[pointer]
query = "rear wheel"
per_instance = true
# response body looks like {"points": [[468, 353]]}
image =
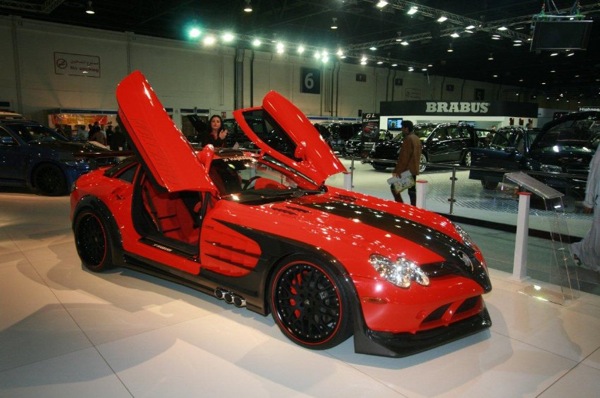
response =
{"points": [[379, 166], [48, 179], [310, 305], [92, 240], [422, 163]]}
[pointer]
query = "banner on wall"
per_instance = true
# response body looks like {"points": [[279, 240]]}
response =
{"points": [[76, 65]]}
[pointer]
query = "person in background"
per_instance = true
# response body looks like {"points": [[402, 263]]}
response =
{"points": [[82, 133], [587, 252], [409, 159], [97, 135], [217, 134]]}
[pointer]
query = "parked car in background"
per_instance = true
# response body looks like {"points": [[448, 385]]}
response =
{"points": [[8, 115], [508, 150], [41, 159], [265, 232], [442, 143], [558, 155], [384, 154], [361, 143], [337, 134]]}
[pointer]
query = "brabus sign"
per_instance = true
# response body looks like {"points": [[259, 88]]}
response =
{"points": [[457, 107]]}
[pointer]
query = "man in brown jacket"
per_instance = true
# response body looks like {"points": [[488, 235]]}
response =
{"points": [[409, 159]]}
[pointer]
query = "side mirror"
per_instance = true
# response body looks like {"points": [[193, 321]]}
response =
{"points": [[300, 152]]}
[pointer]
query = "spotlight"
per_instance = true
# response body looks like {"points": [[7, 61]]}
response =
{"points": [[450, 49], [248, 6], [89, 9], [412, 10], [334, 23], [381, 4], [491, 57]]}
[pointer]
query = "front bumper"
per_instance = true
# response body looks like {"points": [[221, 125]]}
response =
{"points": [[397, 345]]}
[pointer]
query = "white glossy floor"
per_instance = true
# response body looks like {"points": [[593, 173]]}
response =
{"points": [[65, 332]]}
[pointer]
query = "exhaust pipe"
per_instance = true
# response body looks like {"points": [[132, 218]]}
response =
{"points": [[230, 298]]}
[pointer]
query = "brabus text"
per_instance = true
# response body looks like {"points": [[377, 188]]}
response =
{"points": [[457, 107]]}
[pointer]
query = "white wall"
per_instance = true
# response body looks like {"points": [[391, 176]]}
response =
{"points": [[186, 75]]}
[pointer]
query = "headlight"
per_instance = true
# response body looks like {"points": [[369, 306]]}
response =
{"points": [[550, 168], [400, 273]]}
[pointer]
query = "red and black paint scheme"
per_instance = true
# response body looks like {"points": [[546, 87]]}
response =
{"points": [[264, 231]]}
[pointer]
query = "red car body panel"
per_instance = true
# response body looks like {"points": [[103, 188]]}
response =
{"points": [[238, 243], [164, 148]]}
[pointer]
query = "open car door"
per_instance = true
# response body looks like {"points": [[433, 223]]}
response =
{"points": [[164, 149], [309, 153]]}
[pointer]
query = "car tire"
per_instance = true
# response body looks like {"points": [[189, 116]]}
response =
{"points": [[49, 180], [489, 185], [467, 159], [92, 240], [422, 163], [310, 304], [379, 166]]}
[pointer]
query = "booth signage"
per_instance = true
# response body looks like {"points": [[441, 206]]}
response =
{"points": [[459, 108]]}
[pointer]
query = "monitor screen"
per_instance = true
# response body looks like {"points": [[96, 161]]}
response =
{"points": [[561, 35], [394, 124]]}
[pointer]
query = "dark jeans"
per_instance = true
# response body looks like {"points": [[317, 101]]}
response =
{"points": [[412, 194]]}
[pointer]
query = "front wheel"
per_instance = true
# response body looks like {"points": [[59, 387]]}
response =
{"points": [[310, 304], [92, 240], [467, 159]]}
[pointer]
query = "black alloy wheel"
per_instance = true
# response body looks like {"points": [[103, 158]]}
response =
{"points": [[49, 180], [310, 305], [92, 241]]}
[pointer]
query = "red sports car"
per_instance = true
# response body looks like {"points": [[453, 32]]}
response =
{"points": [[264, 231]]}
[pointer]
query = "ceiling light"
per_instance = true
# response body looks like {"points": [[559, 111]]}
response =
{"points": [[256, 42], [450, 49], [373, 48], [334, 23], [470, 27], [412, 10], [381, 4], [491, 57], [194, 33], [248, 6], [228, 37], [404, 43], [379, 62], [300, 49], [340, 53], [89, 9], [280, 47], [455, 35], [442, 18], [209, 40], [503, 28]]}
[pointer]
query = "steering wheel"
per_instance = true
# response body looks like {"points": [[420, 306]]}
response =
{"points": [[250, 182]]}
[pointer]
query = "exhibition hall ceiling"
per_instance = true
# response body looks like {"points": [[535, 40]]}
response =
{"points": [[387, 35]]}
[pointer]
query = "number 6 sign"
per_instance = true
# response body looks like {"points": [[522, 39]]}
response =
{"points": [[310, 81]]}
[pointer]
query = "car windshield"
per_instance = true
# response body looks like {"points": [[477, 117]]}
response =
{"points": [[29, 133], [565, 140], [254, 180]]}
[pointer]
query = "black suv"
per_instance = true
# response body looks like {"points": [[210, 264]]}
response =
{"points": [[559, 155]]}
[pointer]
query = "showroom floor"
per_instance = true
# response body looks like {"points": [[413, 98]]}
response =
{"points": [[66, 332]]}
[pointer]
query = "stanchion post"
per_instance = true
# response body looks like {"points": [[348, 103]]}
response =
{"points": [[348, 181], [421, 193], [520, 259]]}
